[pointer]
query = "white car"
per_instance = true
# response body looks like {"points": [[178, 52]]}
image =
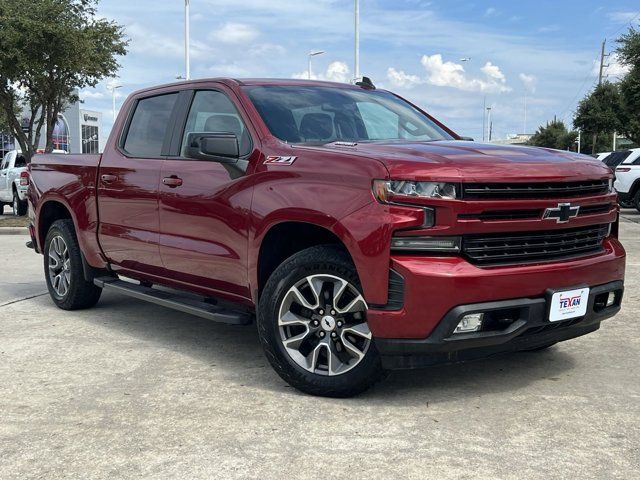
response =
{"points": [[14, 180], [627, 182]]}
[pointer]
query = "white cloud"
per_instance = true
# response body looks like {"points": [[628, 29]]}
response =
{"points": [[400, 79], [529, 81], [149, 43], [267, 49], [336, 72], [623, 17], [450, 74], [228, 70], [90, 94], [235, 33], [493, 71], [490, 12], [615, 68], [549, 29]]}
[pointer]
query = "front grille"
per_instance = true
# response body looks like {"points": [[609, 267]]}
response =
{"points": [[530, 214], [532, 247], [500, 191]]}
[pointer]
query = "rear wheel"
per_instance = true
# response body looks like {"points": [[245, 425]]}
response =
{"points": [[63, 269], [19, 206], [2, 208], [636, 200], [313, 327]]}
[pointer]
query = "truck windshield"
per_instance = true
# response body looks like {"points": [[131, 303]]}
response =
{"points": [[319, 115]]}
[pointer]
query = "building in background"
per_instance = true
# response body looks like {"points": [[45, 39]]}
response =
{"points": [[517, 139], [78, 130]]}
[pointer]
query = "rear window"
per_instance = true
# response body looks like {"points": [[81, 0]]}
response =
{"points": [[616, 158], [20, 162], [149, 126]]}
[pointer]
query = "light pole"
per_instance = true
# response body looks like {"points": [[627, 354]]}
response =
{"points": [[312, 54], [356, 68], [187, 51], [113, 88], [489, 124], [525, 112]]}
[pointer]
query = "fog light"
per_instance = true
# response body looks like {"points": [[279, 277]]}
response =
{"points": [[611, 299], [470, 323]]}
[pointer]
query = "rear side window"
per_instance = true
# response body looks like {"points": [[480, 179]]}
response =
{"points": [[616, 158], [149, 125]]}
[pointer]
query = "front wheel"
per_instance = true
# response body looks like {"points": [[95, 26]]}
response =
{"points": [[312, 322], [63, 269], [19, 206]]}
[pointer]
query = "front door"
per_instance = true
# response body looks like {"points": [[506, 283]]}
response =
{"points": [[128, 187], [204, 214]]}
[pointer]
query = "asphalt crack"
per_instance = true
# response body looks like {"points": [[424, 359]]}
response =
{"points": [[22, 299]]}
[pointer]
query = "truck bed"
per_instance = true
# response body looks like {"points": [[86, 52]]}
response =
{"points": [[69, 181]]}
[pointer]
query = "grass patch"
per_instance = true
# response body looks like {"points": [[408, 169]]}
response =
{"points": [[11, 221]]}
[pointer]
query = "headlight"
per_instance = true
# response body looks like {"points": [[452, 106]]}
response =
{"points": [[386, 190]]}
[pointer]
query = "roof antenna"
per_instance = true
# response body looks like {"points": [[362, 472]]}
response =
{"points": [[366, 83]]}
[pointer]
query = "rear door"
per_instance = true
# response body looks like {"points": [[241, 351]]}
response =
{"points": [[204, 205], [4, 178], [128, 181]]}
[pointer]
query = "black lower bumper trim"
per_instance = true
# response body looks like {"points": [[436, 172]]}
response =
{"points": [[528, 328]]}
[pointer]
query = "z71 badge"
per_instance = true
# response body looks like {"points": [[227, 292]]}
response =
{"points": [[280, 160]]}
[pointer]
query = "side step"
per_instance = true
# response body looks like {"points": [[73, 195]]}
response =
{"points": [[176, 301]]}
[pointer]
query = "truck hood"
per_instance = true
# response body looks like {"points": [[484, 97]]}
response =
{"points": [[458, 161]]}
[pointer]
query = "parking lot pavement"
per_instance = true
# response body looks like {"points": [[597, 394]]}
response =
{"points": [[129, 390]]}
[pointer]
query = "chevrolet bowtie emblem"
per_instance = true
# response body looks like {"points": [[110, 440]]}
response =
{"points": [[562, 213]]}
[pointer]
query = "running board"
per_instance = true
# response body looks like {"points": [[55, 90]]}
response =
{"points": [[175, 300]]}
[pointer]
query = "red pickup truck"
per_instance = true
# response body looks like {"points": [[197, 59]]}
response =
{"points": [[359, 232]]}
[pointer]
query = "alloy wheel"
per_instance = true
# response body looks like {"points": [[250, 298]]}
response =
{"points": [[59, 266], [323, 326]]}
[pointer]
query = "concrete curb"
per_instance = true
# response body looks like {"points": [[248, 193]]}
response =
{"points": [[14, 231]]}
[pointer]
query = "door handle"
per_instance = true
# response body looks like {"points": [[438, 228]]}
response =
{"points": [[172, 182], [108, 178]]}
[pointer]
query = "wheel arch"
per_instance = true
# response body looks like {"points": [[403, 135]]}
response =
{"points": [[285, 238], [49, 212]]}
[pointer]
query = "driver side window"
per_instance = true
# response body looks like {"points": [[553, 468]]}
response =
{"points": [[212, 112]]}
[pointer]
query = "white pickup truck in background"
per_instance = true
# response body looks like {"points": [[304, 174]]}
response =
{"points": [[14, 180], [627, 182]]}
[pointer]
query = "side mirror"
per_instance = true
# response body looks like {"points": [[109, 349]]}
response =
{"points": [[466, 139], [217, 147]]}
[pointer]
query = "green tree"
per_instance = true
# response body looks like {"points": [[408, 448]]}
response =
{"points": [[48, 50], [554, 135], [600, 112], [629, 55]]}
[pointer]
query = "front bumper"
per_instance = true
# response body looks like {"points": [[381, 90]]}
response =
{"points": [[433, 286], [529, 330]]}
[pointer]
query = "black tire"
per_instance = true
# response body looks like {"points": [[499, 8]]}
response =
{"points": [[329, 260], [79, 293], [2, 208], [20, 207], [636, 200], [625, 203]]}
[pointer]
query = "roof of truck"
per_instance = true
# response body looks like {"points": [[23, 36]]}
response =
{"points": [[250, 82]]}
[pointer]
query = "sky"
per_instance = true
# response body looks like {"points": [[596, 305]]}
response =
{"points": [[543, 53]]}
